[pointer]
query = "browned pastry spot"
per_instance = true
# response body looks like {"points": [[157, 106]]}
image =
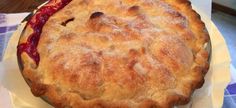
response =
{"points": [[96, 15], [38, 89], [134, 10], [67, 21]]}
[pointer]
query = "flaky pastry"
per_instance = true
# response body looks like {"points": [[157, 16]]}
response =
{"points": [[114, 53]]}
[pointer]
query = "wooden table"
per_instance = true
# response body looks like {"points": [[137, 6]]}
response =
{"points": [[14, 6]]}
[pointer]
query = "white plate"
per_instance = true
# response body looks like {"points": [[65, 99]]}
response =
{"points": [[209, 96]]}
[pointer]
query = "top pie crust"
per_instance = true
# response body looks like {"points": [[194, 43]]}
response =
{"points": [[119, 54]]}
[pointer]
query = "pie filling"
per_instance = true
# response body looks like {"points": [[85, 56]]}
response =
{"points": [[37, 22]]}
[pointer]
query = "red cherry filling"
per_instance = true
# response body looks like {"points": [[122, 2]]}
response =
{"points": [[37, 22]]}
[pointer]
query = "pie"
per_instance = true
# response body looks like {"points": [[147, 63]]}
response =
{"points": [[114, 53]]}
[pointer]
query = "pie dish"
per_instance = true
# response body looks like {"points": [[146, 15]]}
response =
{"points": [[114, 53]]}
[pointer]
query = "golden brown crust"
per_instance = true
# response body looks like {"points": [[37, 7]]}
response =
{"points": [[119, 54]]}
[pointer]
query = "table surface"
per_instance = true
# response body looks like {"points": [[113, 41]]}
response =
{"points": [[15, 6]]}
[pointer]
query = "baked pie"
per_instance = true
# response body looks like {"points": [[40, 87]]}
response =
{"points": [[114, 53]]}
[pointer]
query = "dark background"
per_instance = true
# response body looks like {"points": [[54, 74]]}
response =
{"points": [[15, 6]]}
